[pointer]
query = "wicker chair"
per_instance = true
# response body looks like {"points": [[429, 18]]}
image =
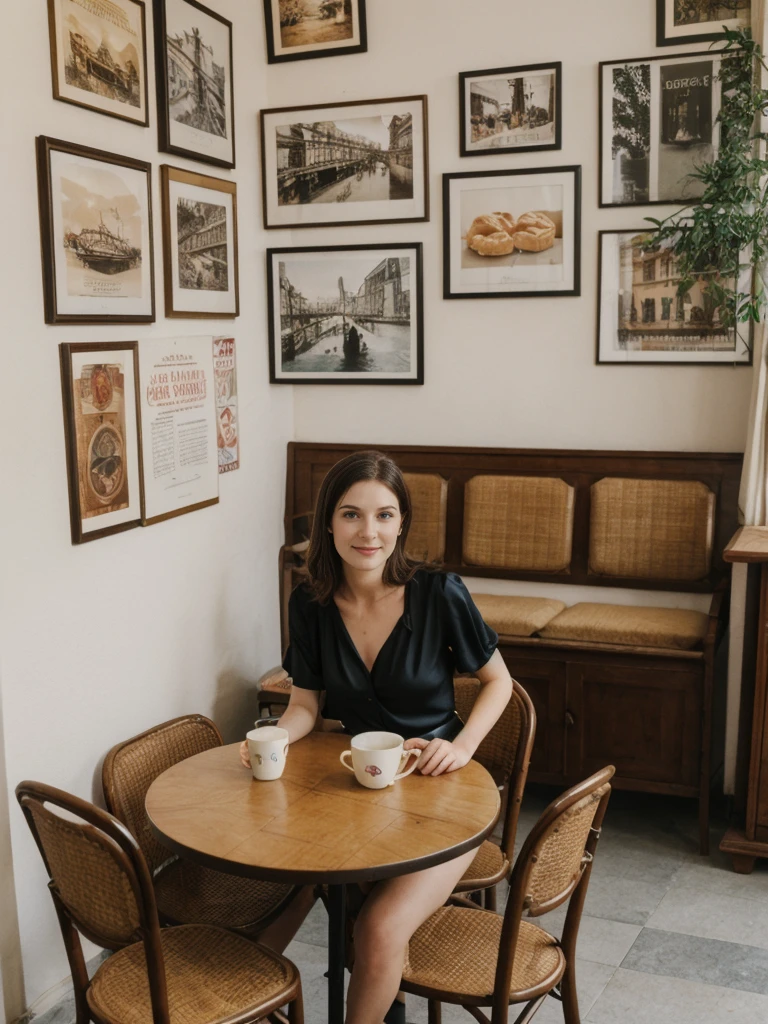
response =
{"points": [[186, 892], [506, 753], [102, 889], [475, 958]]}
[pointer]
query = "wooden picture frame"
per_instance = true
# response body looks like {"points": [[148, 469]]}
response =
{"points": [[96, 235], [365, 162], [80, 75], [200, 261], [689, 30], [501, 110], [529, 250], [341, 30], [100, 398], [361, 321], [195, 84]]}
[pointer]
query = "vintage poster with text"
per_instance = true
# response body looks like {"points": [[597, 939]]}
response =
{"points": [[227, 424]]}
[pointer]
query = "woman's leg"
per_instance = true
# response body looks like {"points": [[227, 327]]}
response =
{"points": [[388, 919]]}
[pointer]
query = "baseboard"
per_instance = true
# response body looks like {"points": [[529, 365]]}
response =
{"points": [[58, 993]]}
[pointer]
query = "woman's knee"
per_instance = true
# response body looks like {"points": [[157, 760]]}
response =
{"points": [[380, 934]]}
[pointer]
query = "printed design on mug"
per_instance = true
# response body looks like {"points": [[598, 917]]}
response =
{"points": [[373, 770], [259, 758], [273, 756]]}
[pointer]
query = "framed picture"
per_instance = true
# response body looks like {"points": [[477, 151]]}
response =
{"points": [[195, 94], [349, 163], [227, 417], [178, 419], [300, 29], [698, 21], [99, 56], [641, 317], [199, 245], [96, 234], [512, 233], [511, 110], [657, 125], [100, 396], [346, 314]]}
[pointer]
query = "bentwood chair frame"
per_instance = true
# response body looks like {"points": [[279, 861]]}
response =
{"points": [[83, 911], [546, 874], [507, 759]]}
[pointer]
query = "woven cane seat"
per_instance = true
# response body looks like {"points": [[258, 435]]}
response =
{"points": [[674, 628], [212, 975], [489, 866], [455, 952]]}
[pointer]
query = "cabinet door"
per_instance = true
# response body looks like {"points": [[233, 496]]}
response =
{"points": [[645, 721], [544, 682]]}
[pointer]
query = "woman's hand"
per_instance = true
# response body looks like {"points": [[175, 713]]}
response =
{"points": [[438, 756], [245, 757]]}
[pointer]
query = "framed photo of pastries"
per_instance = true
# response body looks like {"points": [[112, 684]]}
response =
{"points": [[512, 233], [510, 110]]}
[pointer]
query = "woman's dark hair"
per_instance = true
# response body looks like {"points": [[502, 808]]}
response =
{"points": [[324, 566]]}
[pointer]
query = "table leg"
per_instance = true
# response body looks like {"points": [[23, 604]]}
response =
{"points": [[336, 952]]}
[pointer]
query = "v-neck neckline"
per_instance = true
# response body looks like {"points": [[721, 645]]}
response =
{"points": [[403, 617]]}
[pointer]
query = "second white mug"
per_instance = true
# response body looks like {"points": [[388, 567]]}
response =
{"points": [[268, 748], [376, 759]]}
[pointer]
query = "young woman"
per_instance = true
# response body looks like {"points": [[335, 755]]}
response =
{"points": [[383, 637]]}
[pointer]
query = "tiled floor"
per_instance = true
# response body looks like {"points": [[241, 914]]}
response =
{"points": [[667, 937]]}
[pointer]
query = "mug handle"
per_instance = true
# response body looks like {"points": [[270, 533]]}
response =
{"points": [[346, 753], [406, 755], [285, 750]]}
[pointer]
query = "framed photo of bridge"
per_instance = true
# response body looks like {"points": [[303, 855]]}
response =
{"points": [[96, 235], [199, 245], [195, 94], [348, 163], [346, 314], [302, 29]]}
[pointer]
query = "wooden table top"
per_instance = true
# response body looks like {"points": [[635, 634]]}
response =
{"points": [[317, 823], [748, 544]]}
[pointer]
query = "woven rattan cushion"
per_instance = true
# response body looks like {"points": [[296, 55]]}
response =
{"points": [[212, 974], [517, 616], [674, 628], [429, 498], [276, 680], [497, 751], [189, 893], [456, 951], [518, 522], [651, 529], [489, 863]]}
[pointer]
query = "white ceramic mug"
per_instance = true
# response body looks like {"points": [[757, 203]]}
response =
{"points": [[268, 747], [376, 759]]}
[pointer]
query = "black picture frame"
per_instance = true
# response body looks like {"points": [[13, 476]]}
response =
{"points": [[664, 39], [273, 30], [392, 310]]}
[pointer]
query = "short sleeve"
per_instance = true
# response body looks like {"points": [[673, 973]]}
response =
{"points": [[472, 641], [302, 659]]}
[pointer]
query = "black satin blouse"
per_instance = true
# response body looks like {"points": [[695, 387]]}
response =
{"points": [[409, 690]]}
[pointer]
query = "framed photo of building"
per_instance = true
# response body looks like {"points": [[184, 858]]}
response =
{"points": [[100, 394], [510, 110], [99, 56], [301, 29], [643, 318], [698, 21], [199, 244], [657, 125], [195, 94], [350, 163], [346, 314], [512, 233], [96, 234]]}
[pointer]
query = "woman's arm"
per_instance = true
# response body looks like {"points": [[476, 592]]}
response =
{"points": [[298, 718]]}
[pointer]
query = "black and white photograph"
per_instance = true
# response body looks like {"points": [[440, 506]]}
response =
{"points": [[303, 29], [644, 318], [353, 163], [510, 110], [698, 21], [99, 56], [199, 244], [193, 58], [346, 315], [658, 124]]}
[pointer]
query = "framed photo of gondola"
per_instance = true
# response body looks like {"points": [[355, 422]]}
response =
{"points": [[96, 235], [510, 110], [302, 29], [346, 163], [346, 314], [99, 56], [698, 21], [101, 399], [195, 92]]}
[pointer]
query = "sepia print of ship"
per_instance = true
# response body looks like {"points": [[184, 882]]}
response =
{"points": [[101, 250]]}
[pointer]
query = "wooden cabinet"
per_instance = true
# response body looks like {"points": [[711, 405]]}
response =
{"points": [[544, 682]]}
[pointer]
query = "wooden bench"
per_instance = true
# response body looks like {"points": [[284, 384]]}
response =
{"points": [[622, 681]]}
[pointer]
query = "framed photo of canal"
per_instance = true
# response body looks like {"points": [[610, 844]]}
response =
{"points": [[349, 163], [346, 315], [195, 93], [698, 21], [301, 29], [96, 235]]}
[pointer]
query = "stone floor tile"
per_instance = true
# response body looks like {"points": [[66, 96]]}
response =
{"points": [[312, 962], [626, 899], [314, 928], [600, 941], [591, 979], [716, 874], [696, 910]]}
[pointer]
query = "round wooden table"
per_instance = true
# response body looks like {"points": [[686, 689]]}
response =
{"points": [[318, 824]]}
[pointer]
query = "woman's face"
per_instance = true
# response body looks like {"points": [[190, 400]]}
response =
{"points": [[365, 525]]}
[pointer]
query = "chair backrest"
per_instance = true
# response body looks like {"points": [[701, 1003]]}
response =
{"points": [[132, 766]]}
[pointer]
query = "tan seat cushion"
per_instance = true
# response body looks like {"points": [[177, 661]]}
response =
{"points": [[676, 628], [517, 616], [429, 498]]}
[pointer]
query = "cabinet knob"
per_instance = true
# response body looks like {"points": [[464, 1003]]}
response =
{"points": [[569, 719]]}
